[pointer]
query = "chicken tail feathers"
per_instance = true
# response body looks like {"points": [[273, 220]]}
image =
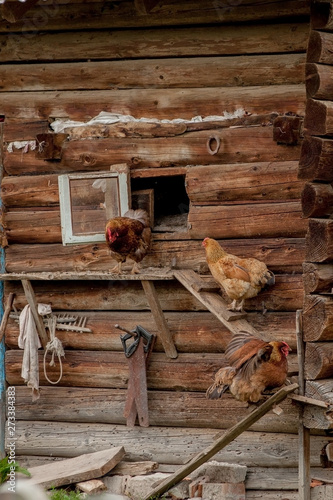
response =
{"points": [[216, 391], [140, 215]]}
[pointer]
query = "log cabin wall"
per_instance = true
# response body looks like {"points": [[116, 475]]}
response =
{"points": [[73, 60], [315, 167]]}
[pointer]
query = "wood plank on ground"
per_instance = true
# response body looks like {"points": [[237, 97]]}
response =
{"points": [[73, 470]]}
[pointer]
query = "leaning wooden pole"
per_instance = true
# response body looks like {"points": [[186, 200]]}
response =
{"points": [[221, 442]]}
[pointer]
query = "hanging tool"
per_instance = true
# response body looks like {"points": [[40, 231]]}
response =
{"points": [[137, 353]]}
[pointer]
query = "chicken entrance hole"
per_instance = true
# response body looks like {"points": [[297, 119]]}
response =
{"points": [[171, 203]]}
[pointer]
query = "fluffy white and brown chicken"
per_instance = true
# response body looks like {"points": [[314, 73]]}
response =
{"points": [[128, 237], [253, 366], [240, 278]]}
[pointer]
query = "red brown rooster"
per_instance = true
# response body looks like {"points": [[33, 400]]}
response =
{"points": [[253, 366], [128, 237]]}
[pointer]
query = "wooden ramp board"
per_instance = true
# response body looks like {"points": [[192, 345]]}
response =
{"points": [[234, 321], [74, 470], [149, 273]]}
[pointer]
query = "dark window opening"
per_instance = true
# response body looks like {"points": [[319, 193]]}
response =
{"points": [[170, 201]]}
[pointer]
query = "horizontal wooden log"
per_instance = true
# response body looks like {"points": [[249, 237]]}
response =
{"points": [[318, 117], [244, 144], [318, 318], [318, 360], [253, 220], [317, 200], [189, 372], [101, 16], [286, 295], [192, 331], [162, 445], [155, 73], [319, 240], [320, 46], [317, 278], [153, 103], [248, 181], [16, 130], [319, 81], [243, 181], [315, 159], [280, 254], [129, 44], [226, 221], [171, 409]]}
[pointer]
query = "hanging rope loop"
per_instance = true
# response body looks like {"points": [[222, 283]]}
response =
{"points": [[54, 346]]}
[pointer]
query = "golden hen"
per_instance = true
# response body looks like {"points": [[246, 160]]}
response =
{"points": [[128, 237], [240, 278], [253, 366]]}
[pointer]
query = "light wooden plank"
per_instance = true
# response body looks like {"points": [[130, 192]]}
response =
{"points": [[156, 310], [73, 470], [149, 274], [215, 304]]}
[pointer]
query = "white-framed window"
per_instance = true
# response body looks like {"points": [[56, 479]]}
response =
{"points": [[88, 200]]}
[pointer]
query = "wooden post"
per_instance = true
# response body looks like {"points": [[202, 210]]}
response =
{"points": [[221, 442], [156, 310], [31, 299], [6, 315], [303, 432]]}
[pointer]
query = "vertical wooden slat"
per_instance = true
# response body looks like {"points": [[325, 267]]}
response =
{"points": [[303, 432]]}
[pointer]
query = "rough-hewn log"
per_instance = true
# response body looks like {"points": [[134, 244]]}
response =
{"points": [[129, 44], [254, 220], [317, 200], [192, 331], [319, 418], [320, 46], [319, 81], [319, 240], [101, 16], [244, 144], [316, 159], [321, 16], [14, 12], [280, 255], [248, 181], [318, 360], [317, 278], [155, 73], [161, 444], [172, 409], [229, 221], [318, 117], [286, 295], [189, 372], [20, 130], [243, 181], [154, 103], [318, 318]]}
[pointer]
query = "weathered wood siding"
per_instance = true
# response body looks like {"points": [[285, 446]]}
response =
{"points": [[178, 62]]}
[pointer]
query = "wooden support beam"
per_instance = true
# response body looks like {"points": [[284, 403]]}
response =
{"points": [[156, 310], [6, 315], [222, 441], [31, 299]]}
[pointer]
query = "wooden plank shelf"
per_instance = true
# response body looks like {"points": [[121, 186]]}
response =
{"points": [[149, 274]]}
